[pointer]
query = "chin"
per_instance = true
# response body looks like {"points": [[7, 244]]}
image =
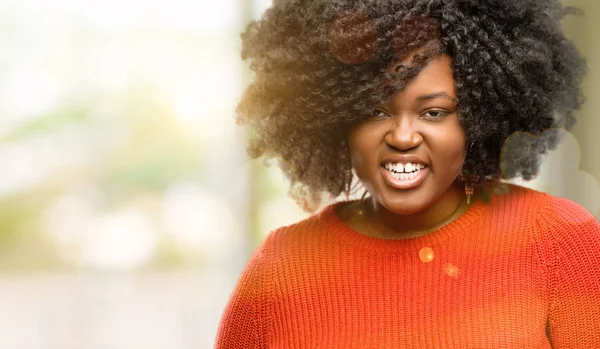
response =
{"points": [[403, 207]]}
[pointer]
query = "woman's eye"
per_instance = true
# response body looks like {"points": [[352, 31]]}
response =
{"points": [[378, 114], [435, 114]]}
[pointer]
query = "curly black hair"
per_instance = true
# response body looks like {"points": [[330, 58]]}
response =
{"points": [[319, 67]]}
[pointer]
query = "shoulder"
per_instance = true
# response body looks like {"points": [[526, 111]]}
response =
{"points": [[513, 202], [512, 194], [564, 230], [548, 217], [563, 219], [565, 211], [547, 211], [304, 232]]}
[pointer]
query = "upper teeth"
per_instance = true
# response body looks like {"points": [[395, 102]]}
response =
{"points": [[407, 167]]}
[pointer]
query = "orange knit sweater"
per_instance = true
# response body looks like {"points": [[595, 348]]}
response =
{"points": [[521, 271]]}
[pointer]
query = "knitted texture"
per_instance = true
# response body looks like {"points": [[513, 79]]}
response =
{"points": [[520, 271]]}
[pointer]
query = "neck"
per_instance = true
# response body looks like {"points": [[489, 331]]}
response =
{"points": [[386, 224]]}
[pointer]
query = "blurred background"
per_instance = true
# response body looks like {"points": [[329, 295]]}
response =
{"points": [[128, 206]]}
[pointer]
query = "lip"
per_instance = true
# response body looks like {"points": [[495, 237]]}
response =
{"points": [[397, 158], [399, 184]]}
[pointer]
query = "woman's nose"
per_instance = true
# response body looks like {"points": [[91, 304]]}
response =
{"points": [[402, 134]]}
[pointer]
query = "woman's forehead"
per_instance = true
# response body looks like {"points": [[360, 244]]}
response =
{"points": [[434, 81]]}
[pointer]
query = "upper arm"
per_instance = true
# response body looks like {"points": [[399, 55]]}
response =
{"points": [[245, 321], [573, 257]]}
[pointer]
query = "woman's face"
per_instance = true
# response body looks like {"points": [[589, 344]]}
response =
{"points": [[411, 149]]}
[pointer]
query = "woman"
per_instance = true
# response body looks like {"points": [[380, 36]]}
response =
{"points": [[415, 99]]}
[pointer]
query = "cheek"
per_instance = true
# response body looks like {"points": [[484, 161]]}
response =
{"points": [[360, 146], [358, 160], [362, 151], [451, 149]]}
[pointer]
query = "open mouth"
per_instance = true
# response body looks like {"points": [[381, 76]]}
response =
{"points": [[404, 175], [404, 171]]}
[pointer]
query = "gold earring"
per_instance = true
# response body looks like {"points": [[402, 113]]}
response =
{"points": [[469, 189]]}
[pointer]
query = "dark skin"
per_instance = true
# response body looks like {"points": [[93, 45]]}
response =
{"points": [[420, 121]]}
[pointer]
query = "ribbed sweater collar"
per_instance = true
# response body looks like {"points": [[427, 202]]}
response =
{"points": [[349, 236]]}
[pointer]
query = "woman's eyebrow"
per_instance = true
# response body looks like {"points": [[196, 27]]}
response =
{"points": [[435, 95]]}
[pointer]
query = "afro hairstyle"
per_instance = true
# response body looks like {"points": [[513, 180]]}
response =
{"points": [[319, 67]]}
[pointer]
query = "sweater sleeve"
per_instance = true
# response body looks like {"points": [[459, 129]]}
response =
{"points": [[572, 252], [246, 319]]}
